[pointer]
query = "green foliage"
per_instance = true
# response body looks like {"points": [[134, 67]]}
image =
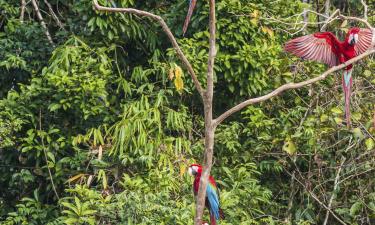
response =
{"points": [[119, 132]]}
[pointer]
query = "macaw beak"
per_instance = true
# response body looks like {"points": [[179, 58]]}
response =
{"points": [[352, 42]]}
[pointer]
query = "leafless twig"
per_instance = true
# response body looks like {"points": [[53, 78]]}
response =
{"points": [[330, 19], [313, 195], [41, 20], [54, 16], [45, 155], [335, 185], [23, 7], [365, 8]]}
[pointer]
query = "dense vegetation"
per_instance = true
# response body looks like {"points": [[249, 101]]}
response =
{"points": [[95, 130]]}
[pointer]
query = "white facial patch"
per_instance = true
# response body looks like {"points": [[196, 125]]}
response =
{"points": [[350, 38], [356, 38], [190, 171]]}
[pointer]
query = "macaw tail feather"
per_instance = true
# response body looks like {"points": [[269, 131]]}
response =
{"points": [[346, 85], [188, 16], [212, 219], [222, 215]]}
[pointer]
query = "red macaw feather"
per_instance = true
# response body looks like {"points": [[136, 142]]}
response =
{"points": [[318, 47], [188, 16], [326, 48], [364, 41], [212, 196], [347, 84]]}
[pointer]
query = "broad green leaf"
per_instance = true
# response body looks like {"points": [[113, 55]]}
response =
{"points": [[355, 208], [357, 133], [337, 111], [289, 147], [370, 144]]}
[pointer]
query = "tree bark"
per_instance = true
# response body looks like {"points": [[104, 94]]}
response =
{"points": [[23, 7], [41, 20], [208, 121], [305, 12], [327, 6], [53, 14]]}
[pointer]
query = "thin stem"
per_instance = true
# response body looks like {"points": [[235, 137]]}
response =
{"points": [[365, 9], [45, 155], [335, 186], [23, 7], [41, 20], [54, 16], [313, 195]]}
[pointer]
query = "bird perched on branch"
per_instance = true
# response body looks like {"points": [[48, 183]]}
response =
{"points": [[212, 193], [192, 4], [326, 48]]}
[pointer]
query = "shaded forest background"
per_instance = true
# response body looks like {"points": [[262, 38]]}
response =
{"points": [[95, 130]]}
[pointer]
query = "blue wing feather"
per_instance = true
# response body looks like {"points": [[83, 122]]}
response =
{"points": [[213, 199]]}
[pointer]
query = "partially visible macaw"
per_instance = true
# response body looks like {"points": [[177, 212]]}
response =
{"points": [[212, 193], [326, 48], [192, 4]]}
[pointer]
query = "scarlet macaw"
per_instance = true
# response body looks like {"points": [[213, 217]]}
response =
{"points": [[192, 4], [326, 48], [212, 193]]}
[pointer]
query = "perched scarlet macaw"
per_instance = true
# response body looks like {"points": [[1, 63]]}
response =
{"points": [[212, 193], [192, 4], [326, 48]]}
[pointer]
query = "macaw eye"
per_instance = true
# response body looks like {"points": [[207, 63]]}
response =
{"points": [[350, 38]]}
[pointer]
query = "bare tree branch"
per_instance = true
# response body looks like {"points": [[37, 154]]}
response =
{"points": [[23, 7], [356, 19], [305, 13], [335, 185], [330, 19], [313, 195], [327, 6], [167, 31], [209, 128], [54, 16], [288, 86], [41, 20], [365, 9]]}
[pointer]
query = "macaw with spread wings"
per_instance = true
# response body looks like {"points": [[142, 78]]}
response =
{"points": [[326, 48]]}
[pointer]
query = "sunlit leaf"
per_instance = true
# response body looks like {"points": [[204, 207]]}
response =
{"points": [[289, 147], [370, 143]]}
